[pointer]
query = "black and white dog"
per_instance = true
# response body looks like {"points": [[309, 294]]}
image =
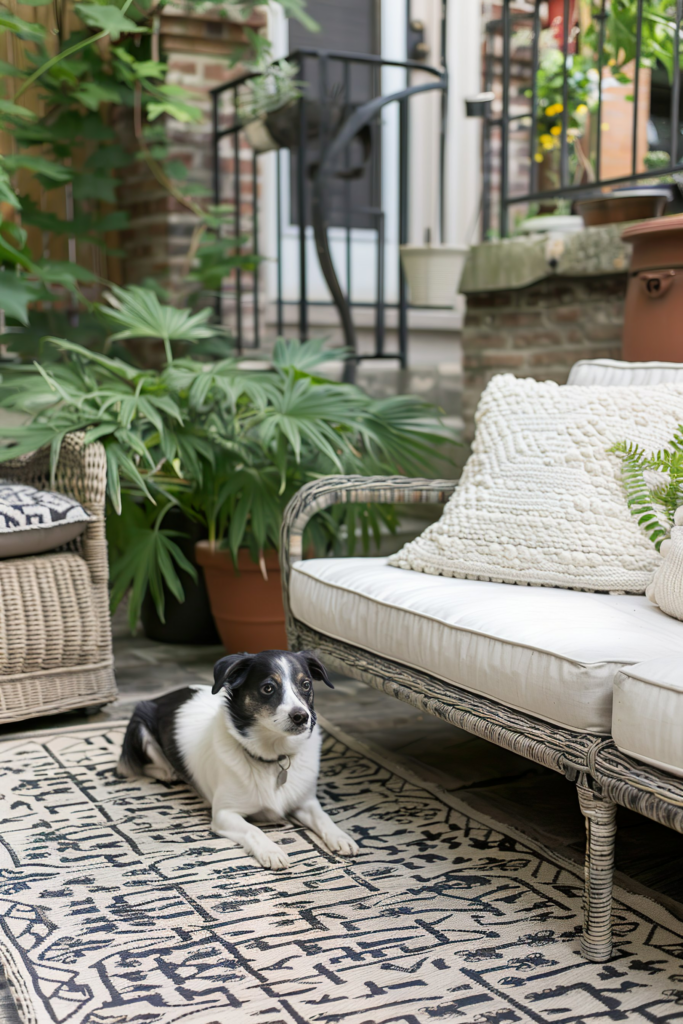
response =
{"points": [[252, 753]]}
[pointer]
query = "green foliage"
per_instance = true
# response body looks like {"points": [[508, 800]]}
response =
{"points": [[657, 40], [275, 88], [617, 51], [145, 557], [228, 446], [141, 314], [653, 484], [582, 78], [656, 158], [79, 82]]}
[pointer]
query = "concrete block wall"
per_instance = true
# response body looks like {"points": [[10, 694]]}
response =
{"points": [[539, 331]]}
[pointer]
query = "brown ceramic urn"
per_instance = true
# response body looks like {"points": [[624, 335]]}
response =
{"points": [[653, 318]]}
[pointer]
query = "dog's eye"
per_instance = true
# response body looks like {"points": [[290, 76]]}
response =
{"points": [[267, 688], [305, 684]]}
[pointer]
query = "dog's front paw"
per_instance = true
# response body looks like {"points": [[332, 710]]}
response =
{"points": [[269, 855], [339, 842]]}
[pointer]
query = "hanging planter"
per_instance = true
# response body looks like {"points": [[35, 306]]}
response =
{"points": [[265, 97], [258, 136], [433, 273]]}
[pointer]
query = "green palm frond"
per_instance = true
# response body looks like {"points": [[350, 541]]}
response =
{"points": [[292, 354], [141, 314], [227, 446]]}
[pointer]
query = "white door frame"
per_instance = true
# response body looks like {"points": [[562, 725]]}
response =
{"points": [[363, 241], [462, 164]]}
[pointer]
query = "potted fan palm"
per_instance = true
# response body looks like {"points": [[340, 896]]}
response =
{"points": [[226, 446]]}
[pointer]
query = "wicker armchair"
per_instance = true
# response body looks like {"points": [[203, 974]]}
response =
{"points": [[55, 627]]}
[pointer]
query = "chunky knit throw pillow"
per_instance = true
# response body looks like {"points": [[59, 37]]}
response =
{"points": [[540, 500]]}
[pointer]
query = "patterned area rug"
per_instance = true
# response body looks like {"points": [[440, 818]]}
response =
{"points": [[119, 905]]}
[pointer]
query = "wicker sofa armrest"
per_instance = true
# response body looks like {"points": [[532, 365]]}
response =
{"points": [[340, 490], [82, 474]]}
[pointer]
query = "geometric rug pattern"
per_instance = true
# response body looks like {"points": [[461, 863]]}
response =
{"points": [[119, 906]]}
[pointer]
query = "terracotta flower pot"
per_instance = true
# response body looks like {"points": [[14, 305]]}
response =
{"points": [[247, 610], [653, 316]]}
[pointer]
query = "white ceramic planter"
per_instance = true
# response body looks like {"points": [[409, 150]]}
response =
{"points": [[666, 589], [433, 273]]}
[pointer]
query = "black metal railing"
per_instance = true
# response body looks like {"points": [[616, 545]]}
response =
{"points": [[571, 161], [341, 107]]}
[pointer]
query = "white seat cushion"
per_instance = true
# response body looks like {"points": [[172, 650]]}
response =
{"points": [[553, 653], [647, 718]]}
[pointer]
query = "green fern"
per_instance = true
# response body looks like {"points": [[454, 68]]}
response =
{"points": [[654, 506]]}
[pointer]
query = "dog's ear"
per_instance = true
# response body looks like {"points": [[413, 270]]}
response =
{"points": [[316, 668], [232, 671]]}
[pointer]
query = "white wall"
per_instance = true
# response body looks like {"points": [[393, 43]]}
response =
{"points": [[425, 133], [463, 178]]}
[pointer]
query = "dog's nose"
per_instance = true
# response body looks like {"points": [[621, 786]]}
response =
{"points": [[298, 717]]}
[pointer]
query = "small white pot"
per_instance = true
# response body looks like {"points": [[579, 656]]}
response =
{"points": [[433, 273], [666, 589]]}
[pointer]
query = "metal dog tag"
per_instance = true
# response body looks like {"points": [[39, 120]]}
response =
{"points": [[284, 763]]}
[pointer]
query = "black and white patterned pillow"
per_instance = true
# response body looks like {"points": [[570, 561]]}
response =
{"points": [[33, 521]]}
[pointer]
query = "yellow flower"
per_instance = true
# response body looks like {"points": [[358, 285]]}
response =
{"points": [[547, 141], [556, 129], [554, 108], [611, 62], [582, 109], [538, 157]]}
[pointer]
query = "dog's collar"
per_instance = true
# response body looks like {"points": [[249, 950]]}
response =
{"points": [[284, 761]]}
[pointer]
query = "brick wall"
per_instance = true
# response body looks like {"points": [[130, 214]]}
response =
{"points": [[539, 331], [197, 50]]}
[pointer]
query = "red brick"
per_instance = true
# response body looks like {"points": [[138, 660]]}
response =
{"points": [[569, 356], [475, 318], [565, 314], [490, 300], [496, 359], [216, 72], [473, 338], [557, 357], [603, 332], [184, 67], [537, 339], [517, 319]]}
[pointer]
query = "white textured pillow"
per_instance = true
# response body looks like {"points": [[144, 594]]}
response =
{"points": [[540, 501]]}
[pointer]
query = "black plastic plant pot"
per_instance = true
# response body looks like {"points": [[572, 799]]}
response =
{"points": [[190, 621]]}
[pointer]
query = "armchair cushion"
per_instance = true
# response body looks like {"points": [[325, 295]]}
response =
{"points": [[552, 653], [33, 521], [647, 718]]}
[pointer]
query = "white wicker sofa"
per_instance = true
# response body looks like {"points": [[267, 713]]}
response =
{"points": [[540, 671]]}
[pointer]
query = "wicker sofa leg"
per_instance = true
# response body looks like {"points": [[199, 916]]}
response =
{"points": [[600, 814]]}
